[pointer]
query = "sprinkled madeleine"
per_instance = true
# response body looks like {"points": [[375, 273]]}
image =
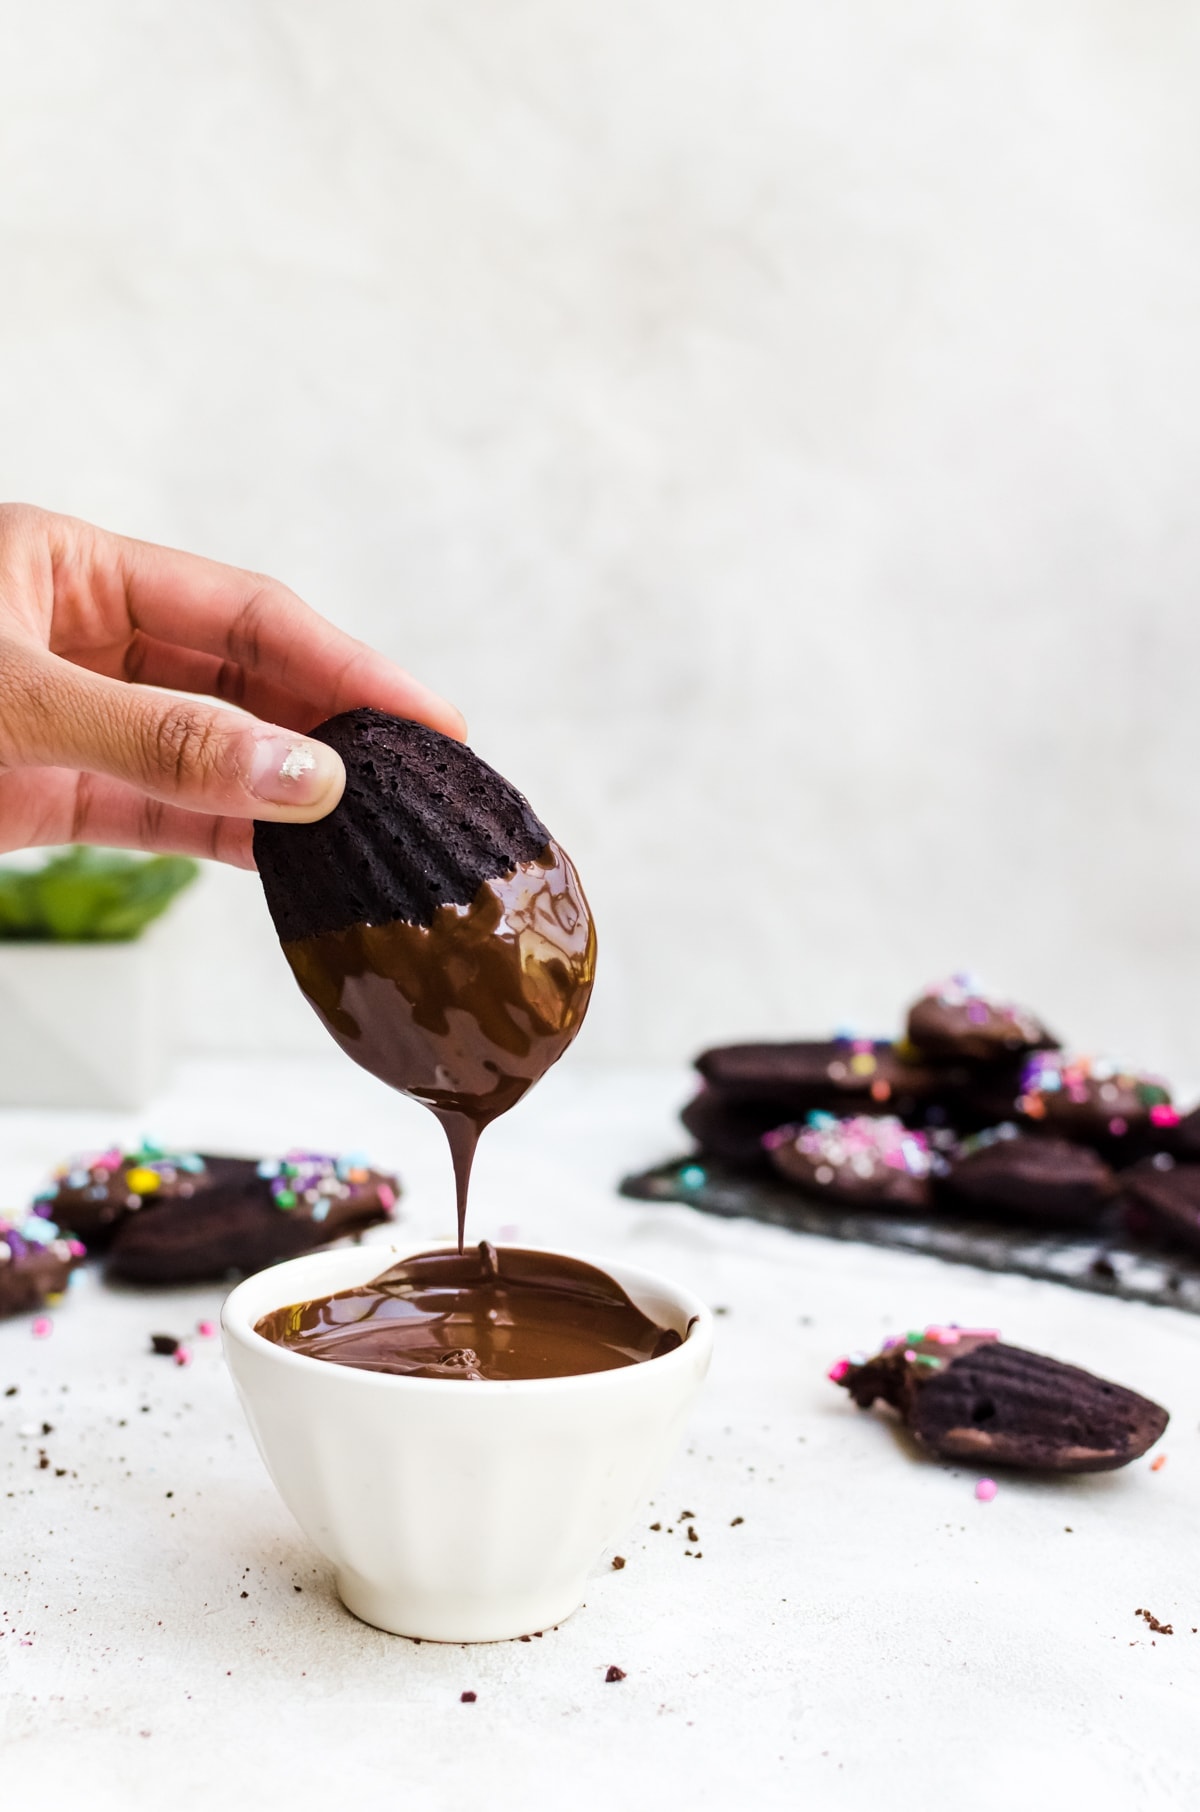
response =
{"points": [[274, 1209], [36, 1261], [872, 1075], [1093, 1099], [965, 1395], [958, 1019], [92, 1192], [859, 1161]]}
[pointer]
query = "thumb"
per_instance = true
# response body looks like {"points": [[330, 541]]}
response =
{"points": [[54, 714]]}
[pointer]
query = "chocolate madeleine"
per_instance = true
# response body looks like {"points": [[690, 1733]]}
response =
{"points": [[1094, 1100], [859, 1162], [957, 1020], [1162, 1197], [966, 1396], [93, 1191], [434, 925], [839, 1075], [36, 1261], [1004, 1174], [282, 1209], [730, 1130]]}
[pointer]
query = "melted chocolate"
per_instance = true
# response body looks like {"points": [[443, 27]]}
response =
{"points": [[466, 1013], [482, 1315]]}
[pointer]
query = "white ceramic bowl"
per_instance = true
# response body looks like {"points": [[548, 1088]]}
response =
{"points": [[454, 1511]]}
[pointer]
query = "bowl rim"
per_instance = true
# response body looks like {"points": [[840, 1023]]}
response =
{"points": [[237, 1326]]}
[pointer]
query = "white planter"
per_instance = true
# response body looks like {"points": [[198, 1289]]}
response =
{"points": [[80, 1024]]}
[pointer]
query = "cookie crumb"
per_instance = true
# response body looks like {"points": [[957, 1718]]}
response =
{"points": [[618, 1561], [613, 1675], [655, 1527], [1160, 1629], [691, 1534], [736, 1521]]}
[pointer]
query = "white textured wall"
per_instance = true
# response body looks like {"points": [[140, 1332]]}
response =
{"points": [[777, 424]]}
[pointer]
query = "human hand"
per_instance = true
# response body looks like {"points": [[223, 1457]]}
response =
{"points": [[90, 753]]}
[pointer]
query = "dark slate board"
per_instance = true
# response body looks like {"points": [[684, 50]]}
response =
{"points": [[1102, 1259]]}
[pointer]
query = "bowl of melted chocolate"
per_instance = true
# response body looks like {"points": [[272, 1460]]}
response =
{"points": [[462, 1434]]}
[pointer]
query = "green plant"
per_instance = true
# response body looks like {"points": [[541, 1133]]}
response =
{"points": [[90, 895]]}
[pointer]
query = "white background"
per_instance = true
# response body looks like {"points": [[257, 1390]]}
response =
{"points": [[776, 424]]}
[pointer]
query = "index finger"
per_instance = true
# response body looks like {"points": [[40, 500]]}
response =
{"points": [[266, 629]]}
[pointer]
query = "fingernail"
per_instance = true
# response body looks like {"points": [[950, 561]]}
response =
{"points": [[288, 770]]}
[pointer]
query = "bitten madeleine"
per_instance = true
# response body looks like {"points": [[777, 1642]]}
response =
{"points": [[965, 1395]]}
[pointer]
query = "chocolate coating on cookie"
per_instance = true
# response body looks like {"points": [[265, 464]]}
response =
{"points": [[1009, 1175], [965, 1395], [1092, 1099], [92, 1192], [861, 1162], [957, 1020], [835, 1075], [36, 1261], [280, 1210], [423, 823]]}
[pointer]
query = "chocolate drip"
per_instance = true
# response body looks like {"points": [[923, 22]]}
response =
{"points": [[474, 1316], [466, 1013]]}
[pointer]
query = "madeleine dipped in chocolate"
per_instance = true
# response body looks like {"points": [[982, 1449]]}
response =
{"points": [[434, 925], [957, 1020], [36, 1261], [965, 1395], [258, 1215], [859, 1162]]}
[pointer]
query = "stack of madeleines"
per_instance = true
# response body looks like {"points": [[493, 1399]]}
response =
{"points": [[977, 1111]]}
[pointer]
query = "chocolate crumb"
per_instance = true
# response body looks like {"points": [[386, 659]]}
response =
{"points": [[12, 1390], [618, 1562], [692, 1536], [245, 1594], [47, 1428], [43, 1461], [685, 1516], [656, 1527], [166, 1344], [297, 1588], [1067, 1529], [526, 1638], [466, 1698], [736, 1521], [613, 1675], [60, 1472], [1160, 1629]]}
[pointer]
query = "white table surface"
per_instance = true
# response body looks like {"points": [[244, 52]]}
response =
{"points": [[870, 1634]]}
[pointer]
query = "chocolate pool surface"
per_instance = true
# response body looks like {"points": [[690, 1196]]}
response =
{"points": [[477, 1315]]}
